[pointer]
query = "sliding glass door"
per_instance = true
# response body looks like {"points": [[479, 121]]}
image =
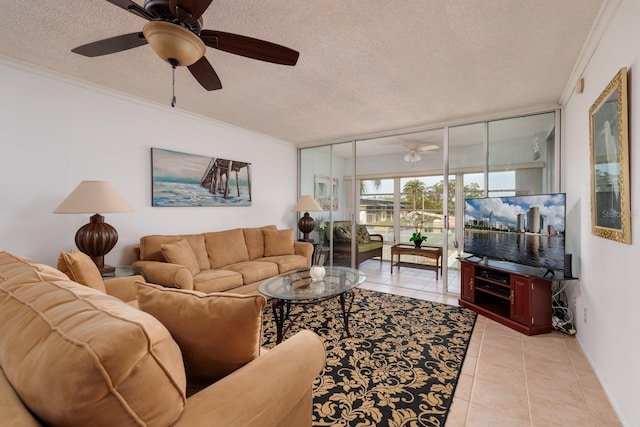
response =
{"points": [[324, 173], [416, 182], [395, 176]]}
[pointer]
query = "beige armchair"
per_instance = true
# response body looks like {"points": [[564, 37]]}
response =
{"points": [[71, 355]]}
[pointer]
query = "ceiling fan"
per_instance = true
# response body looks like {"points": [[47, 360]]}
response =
{"points": [[414, 150], [175, 33]]}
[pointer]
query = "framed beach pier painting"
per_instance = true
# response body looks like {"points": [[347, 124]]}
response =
{"points": [[182, 179]]}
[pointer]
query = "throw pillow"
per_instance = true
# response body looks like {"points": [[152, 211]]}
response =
{"points": [[278, 242], [226, 247], [343, 232], [217, 332], [80, 268], [254, 239], [362, 234], [181, 253]]}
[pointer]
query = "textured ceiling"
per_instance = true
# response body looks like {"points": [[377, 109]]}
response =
{"points": [[365, 66]]}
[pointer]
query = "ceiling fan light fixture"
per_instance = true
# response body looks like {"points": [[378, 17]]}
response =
{"points": [[172, 42], [412, 157]]}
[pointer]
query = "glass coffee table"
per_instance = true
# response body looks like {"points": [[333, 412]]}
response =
{"points": [[297, 288]]}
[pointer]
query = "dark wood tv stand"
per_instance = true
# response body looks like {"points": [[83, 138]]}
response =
{"points": [[514, 295]]}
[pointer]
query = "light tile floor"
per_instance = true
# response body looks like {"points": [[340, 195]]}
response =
{"points": [[508, 379]]}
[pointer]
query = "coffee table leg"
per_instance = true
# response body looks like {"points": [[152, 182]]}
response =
{"points": [[391, 262], [279, 315], [346, 309]]}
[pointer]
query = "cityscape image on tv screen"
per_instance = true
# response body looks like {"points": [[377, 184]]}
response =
{"points": [[523, 229]]}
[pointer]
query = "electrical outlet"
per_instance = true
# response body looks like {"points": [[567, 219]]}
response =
{"points": [[584, 315]]}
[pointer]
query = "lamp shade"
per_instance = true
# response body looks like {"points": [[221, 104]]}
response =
{"points": [[93, 197], [97, 237], [306, 223], [307, 204]]}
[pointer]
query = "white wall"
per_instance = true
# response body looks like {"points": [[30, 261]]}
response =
{"points": [[56, 133], [609, 288]]}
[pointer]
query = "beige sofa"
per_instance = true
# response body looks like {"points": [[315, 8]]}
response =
{"points": [[73, 355], [232, 260]]}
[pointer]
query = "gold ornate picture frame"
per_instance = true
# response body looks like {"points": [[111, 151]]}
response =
{"points": [[609, 148]]}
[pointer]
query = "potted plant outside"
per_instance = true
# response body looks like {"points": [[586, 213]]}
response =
{"points": [[417, 239]]}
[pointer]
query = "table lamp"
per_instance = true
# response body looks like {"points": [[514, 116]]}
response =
{"points": [[97, 237], [306, 223]]}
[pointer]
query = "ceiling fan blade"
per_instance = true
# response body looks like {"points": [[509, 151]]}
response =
{"points": [[424, 148], [188, 11], [133, 8], [111, 45], [205, 74], [249, 47]]}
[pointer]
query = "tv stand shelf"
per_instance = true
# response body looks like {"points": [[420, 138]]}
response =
{"points": [[495, 292], [514, 295]]}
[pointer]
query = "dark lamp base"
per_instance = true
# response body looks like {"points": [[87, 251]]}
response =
{"points": [[96, 239], [305, 225]]}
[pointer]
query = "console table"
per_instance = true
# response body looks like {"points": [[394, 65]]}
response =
{"points": [[431, 252], [515, 295]]}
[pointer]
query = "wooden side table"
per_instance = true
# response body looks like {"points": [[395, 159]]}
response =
{"points": [[431, 252]]}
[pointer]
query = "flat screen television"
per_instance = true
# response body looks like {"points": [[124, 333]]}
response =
{"points": [[527, 230]]}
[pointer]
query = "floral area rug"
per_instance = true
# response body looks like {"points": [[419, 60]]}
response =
{"points": [[400, 366]]}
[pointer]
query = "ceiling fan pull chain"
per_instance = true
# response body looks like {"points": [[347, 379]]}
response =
{"points": [[173, 85]]}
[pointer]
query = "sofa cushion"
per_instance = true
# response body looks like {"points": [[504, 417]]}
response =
{"points": [[278, 242], [217, 333], [216, 280], [76, 356], [342, 231], [150, 248], [252, 271], [362, 234], [24, 270], [362, 247], [287, 263], [81, 268], [180, 253], [254, 239], [12, 410], [226, 247], [7, 258], [34, 275], [373, 244]]}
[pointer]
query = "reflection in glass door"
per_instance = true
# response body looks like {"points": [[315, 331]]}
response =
{"points": [[324, 173], [521, 153], [315, 178]]}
